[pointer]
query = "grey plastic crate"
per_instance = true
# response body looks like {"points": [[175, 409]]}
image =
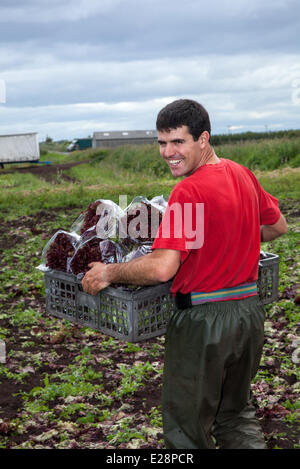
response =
{"points": [[268, 277], [128, 315], [132, 315]]}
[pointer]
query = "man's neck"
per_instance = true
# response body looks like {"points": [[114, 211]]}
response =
{"points": [[209, 157]]}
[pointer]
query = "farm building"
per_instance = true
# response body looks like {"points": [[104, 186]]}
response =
{"points": [[116, 138]]}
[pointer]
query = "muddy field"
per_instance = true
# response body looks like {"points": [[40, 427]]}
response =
{"points": [[48, 172], [68, 387]]}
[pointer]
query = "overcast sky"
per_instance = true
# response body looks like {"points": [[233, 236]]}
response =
{"points": [[72, 67]]}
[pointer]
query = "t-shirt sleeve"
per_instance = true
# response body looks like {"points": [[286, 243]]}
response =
{"points": [[268, 204], [269, 210], [178, 227]]}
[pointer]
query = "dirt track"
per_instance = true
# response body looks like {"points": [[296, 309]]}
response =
{"points": [[47, 171]]}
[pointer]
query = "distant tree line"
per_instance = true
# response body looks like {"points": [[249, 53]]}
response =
{"points": [[240, 137]]}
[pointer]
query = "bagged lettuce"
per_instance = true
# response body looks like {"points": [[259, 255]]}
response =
{"points": [[59, 251]]}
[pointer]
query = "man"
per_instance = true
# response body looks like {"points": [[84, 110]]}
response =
{"points": [[215, 336]]}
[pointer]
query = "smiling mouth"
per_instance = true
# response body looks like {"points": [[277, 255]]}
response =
{"points": [[174, 162]]}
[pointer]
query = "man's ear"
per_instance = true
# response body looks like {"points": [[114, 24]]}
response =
{"points": [[203, 139]]}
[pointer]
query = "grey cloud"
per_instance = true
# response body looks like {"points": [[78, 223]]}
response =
{"points": [[49, 11], [121, 59], [97, 81], [127, 30]]}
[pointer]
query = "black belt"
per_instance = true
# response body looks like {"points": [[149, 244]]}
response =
{"points": [[183, 300]]}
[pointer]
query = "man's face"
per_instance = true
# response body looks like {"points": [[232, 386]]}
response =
{"points": [[179, 150]]}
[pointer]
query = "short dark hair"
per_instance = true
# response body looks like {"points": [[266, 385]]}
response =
{"points": [[184, 112]]}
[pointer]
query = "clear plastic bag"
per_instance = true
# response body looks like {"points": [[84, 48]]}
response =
{"points": [[140, 251], [58, 251], [142, 218], [160, 202], [111, 252], [94, 249], [106, 233], [100, 218], [86, 252]]}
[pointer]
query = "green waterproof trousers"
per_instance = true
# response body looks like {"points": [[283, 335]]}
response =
{"points": [[212, 353]]}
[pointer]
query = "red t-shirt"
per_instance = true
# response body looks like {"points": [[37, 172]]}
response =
{"points": [[213, 217]]}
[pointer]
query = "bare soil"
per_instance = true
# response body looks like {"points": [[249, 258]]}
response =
{"points": [[66, 343], [48, 172]]}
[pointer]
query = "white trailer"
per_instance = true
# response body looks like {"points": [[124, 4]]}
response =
{"points": [[19, 148]]}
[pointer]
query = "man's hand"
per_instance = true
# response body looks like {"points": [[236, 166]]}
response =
{"points": [[94, 279], [156, 267]]}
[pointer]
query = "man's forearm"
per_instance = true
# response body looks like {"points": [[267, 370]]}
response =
{"points": [[267, 233], [270, 232], [156, 267], [140, 271]]}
